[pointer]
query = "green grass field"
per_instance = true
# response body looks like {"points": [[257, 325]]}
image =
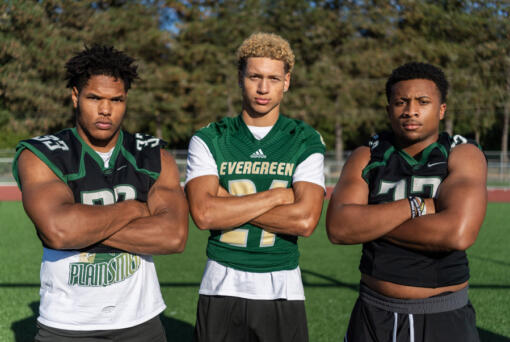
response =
{"points": [[330, 275]]}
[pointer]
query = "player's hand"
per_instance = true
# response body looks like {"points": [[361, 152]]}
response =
{"points": [[222, 192]]}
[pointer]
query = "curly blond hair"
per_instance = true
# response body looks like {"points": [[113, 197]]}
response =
{"points": [[269, 45]]}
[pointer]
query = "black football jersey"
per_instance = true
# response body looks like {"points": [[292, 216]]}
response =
{"points": [[393, 175], [133, 168]]}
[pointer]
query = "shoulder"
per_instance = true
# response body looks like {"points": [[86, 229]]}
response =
{"points": [[141, 142], [460, 147], [299, 127], [143, 151], [306, 139], [359, 158], [197, 145], [167, 161], [380, 146], [218, 128], [378, 139], [58, 151], [51, 143], [455, 141], [361, 152], [303, 132], [466, 156]]}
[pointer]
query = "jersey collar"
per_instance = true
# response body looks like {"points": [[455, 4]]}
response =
{"points": [[95, 156], [423, 155], [269, 135]]}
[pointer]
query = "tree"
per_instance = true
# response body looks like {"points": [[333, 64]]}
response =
{"points": [[185, 49], [39, 37]]}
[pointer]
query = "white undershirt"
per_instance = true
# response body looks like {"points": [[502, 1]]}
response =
{"points": [[220, 280], [106, 157]]}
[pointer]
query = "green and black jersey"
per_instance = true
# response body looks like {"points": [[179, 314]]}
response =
{"points": [[246, 166], [134, 166], [393, 175]]}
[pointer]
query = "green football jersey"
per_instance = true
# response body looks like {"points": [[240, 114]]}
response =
{"points": [[246, 166]]}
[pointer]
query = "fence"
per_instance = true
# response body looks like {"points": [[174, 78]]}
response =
{"points": [[498, 175]]}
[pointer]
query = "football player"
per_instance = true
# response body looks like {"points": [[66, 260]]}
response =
{"points": [[256, 182], [102, 200], [415, 198]]}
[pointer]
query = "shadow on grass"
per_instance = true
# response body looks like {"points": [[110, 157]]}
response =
{"points": [[177, 330], [25, 329], [181, 284], [487, 336]]}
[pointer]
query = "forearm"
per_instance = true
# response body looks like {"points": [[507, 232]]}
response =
{"points": [[165, 229], [222, 213], [77, 226], [164, 233], [422, 233], [455, 226], [443, 231], [62, 223], [298, 218], [359, 223]]}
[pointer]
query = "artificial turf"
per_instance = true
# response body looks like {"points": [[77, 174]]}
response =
{"points": [[330, 275]]}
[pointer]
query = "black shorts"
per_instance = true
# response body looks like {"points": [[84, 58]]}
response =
{"points": [[444, 318], [233, 319], [150, 331]]}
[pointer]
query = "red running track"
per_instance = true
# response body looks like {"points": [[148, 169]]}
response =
{"points": [[12, 193]]}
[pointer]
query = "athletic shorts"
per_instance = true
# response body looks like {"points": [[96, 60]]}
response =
{"points": [[444, 318], [234, 319], [150, 331]]}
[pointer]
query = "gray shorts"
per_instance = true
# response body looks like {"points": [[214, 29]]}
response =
{"points": [[443, 318], [150, 331], [233, 319]]}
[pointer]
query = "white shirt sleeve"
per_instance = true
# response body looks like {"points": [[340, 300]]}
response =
{"points": [[311, 170], [200, 160]]}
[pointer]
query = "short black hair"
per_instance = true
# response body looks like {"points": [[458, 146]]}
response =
{"points": [[415, 70], [100, 60]]}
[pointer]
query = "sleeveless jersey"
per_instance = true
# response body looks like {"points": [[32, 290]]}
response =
{"points": [[99, 287], [246, 166], [392, 175]]}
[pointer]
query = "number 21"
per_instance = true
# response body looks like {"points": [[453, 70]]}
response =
{"points": [[239, 237]]}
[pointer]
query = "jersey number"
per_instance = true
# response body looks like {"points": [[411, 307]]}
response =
{"points": [[141, 142], [107, 196], [52, 142], [239, 237], [418, 185]]}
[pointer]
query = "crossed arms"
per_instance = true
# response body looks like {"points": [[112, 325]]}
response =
{"points": [[159, 226], [292, 211], [452, 222]]}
